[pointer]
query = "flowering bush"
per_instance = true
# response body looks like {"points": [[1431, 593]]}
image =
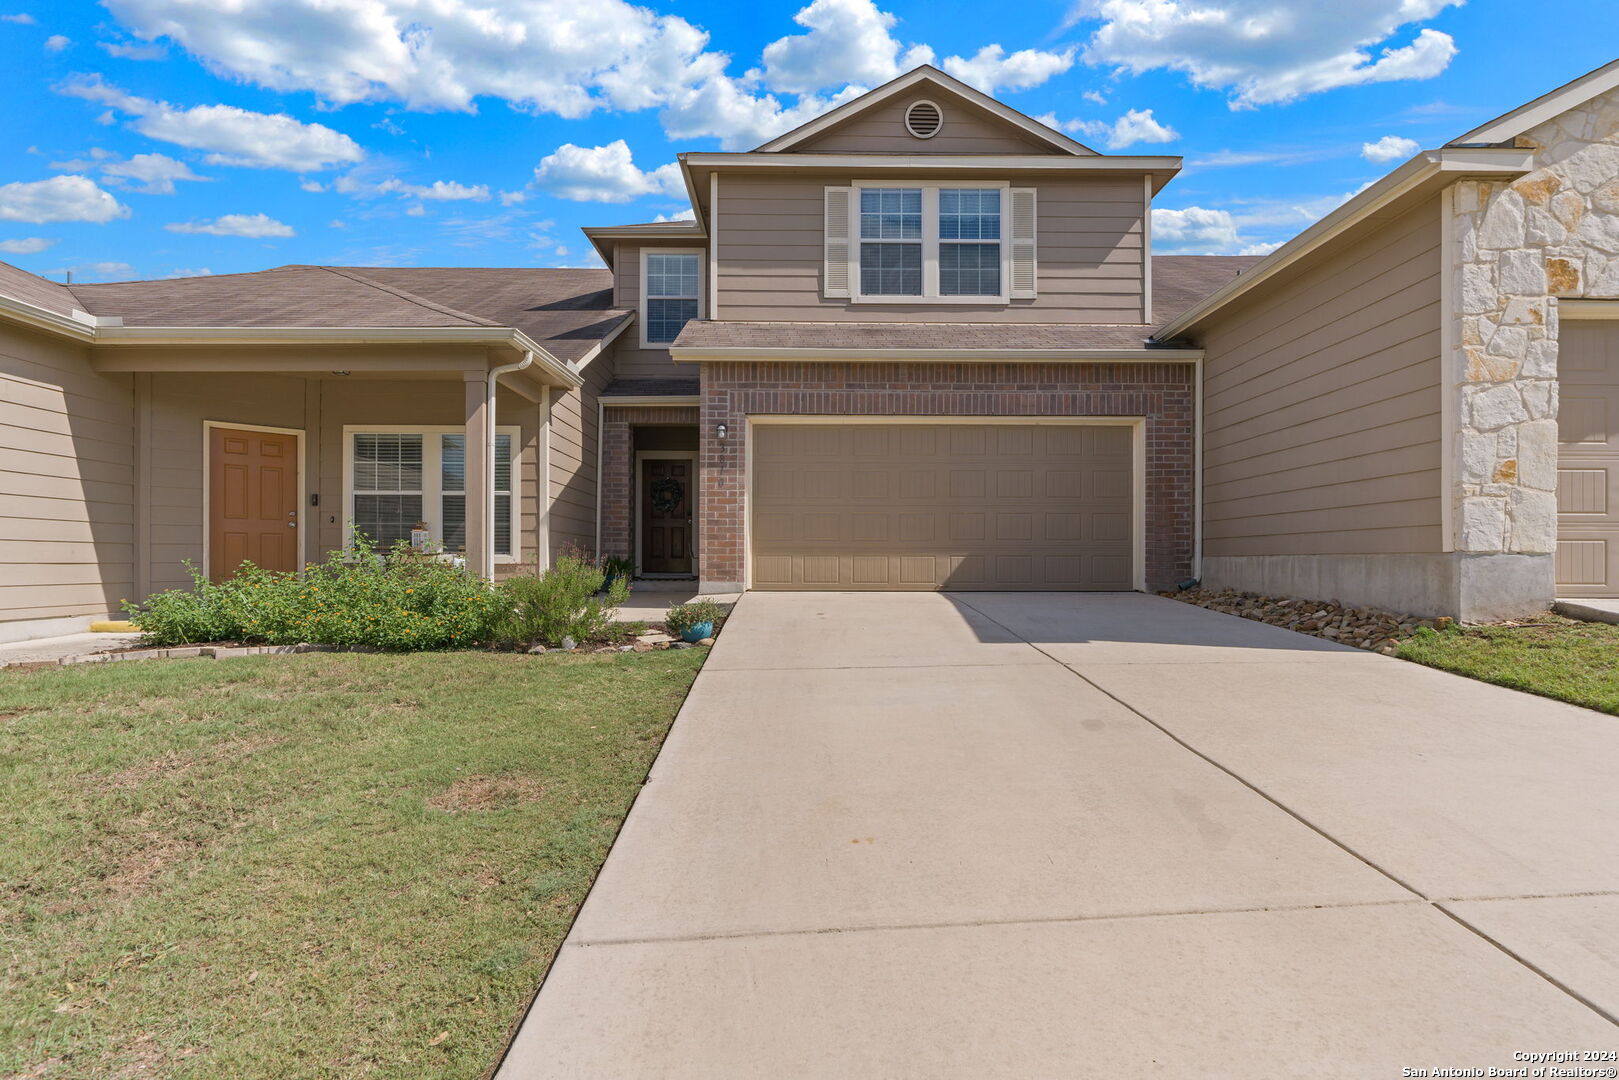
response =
{"points": [[356, 597]]}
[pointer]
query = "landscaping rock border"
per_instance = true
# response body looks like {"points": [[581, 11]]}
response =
{"points": [[1362, 628]]}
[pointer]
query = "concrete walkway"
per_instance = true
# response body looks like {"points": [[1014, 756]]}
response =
{"points": [[1018, 835]]}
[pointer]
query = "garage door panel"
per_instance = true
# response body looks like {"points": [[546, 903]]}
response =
{"points": [[1587, 560], [926, 506]]}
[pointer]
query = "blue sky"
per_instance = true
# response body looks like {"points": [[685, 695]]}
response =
{"points": [[155, 138]]}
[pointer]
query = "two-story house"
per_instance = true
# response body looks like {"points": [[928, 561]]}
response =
{"points": [[920, 342]]}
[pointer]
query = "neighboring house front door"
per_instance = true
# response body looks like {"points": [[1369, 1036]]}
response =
{"points": [[666, 515], [1588, 459], [252, 500]]}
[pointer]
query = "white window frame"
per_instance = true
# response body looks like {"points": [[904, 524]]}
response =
{"points": [[702, 307], [433, 476], [930, 243]]}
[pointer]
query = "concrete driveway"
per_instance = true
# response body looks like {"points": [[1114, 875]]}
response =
{"points": [[1023, 835]]}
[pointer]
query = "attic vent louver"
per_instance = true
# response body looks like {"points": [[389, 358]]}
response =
{"points": [[923, 119]]}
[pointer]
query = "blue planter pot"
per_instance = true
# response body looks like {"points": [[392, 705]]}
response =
{"points": [[698, 632]]}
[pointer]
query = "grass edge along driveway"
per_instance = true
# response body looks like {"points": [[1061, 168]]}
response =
{"points": [[329, 865], [1549, 655]]}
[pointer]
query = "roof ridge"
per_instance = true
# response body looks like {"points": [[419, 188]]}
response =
{"points": [[420, 301]]}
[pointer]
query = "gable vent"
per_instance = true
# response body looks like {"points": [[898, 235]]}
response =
{"points": [[923, 119]]}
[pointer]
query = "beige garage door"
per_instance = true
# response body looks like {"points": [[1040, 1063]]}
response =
{"points": [[1588, 459], [941, 506]]}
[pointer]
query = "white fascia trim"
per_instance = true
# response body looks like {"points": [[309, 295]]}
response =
{"points": [[906, 82], [961, 162], [341, 335], [988, 356], [44, 319], [611, 401], [1427, 166], [601, 346], [1547, 106]]}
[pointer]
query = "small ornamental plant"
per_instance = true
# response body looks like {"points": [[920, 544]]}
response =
{"points": [[683, 618], [573, 599]]}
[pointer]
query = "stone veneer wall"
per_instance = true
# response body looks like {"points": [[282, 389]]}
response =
{"points": [[618, 468], [1514, 249], [731, 392]]}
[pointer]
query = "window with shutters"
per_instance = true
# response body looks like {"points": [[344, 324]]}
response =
{"points": [[397, 478], [671, 293], [932, 243]]}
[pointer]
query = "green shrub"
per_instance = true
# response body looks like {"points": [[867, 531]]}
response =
{"points": [[683, 617], [560, 602], [356, 597]]}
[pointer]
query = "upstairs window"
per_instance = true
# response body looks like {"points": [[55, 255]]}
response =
{"points": [[935, 243], [671, 293]]}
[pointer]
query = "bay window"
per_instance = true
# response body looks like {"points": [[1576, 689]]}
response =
{"points": [[397, 478]]}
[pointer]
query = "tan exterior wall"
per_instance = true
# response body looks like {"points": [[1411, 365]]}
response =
{"points": [[1089, 237], [1322, 405], [967, 129], [320, 408], [67, 543], [573, 457]]}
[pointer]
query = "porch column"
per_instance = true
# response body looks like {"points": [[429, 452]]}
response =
{"points": [[480, 427]]}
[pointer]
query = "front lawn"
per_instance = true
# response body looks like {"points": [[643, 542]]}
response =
{"points": [[328, 865], [1572, 661]]}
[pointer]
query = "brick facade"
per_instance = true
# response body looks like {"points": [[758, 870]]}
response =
{"points": [[618, 468], [1160, 392]]}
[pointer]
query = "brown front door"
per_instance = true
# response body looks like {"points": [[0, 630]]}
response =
{"points": [[252, 500], [666, 511], [1588, 459]]}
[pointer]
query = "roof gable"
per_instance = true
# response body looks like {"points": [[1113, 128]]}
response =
{"points": [[974, 122]]}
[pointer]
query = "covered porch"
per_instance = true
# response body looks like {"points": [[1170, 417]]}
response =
{"points": [[281, 453]]}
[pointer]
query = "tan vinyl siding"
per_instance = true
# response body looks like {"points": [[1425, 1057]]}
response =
{"points": [[573, 457], [1089, 247], [1321, 405], [67, 538], [967, 129]]}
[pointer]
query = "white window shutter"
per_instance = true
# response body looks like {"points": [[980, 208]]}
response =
{"points": [[835, 276], [1025, 268]]}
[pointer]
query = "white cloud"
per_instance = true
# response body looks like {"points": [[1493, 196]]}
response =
{"points": [[61, 198], [154, 173], [687, 214], [229, 135], [992, 70], [253, 226], [1262, 249], [848, 42], [26, 245], [560, 56], [1193, 231], [22, 18], [1135, 126], [97, 271], [57, 42], [311, 185], [1267, 51], [604, 174], [201, 271], [1389, 148], [513, 198], [138, 50], [416, 211], [440, 190], [1095, 95]]}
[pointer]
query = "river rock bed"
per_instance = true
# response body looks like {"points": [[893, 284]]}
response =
{"points": [[1363, 628]]}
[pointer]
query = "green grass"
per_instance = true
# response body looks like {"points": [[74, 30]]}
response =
{"points": [[313, 866], [1577, 662]]}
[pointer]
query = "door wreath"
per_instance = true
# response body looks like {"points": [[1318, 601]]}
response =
{"points": [[667, 493]]}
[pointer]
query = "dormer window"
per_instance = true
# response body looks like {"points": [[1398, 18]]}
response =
{"points": [[671, 293]]}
